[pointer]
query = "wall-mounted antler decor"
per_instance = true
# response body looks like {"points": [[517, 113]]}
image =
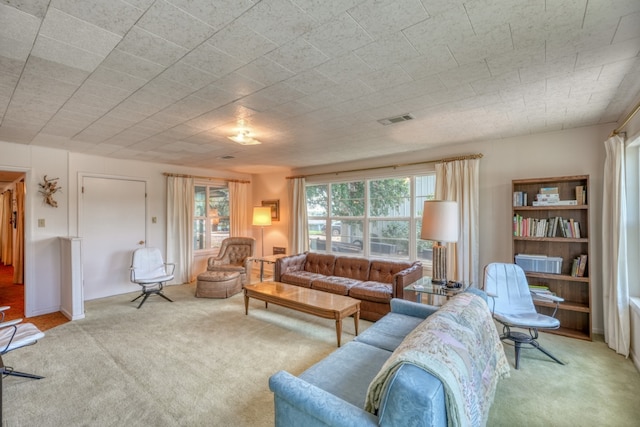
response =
{"points": [[49, 188]]}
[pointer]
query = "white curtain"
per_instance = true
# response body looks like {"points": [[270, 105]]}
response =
{"points": [[238, 196], [615, 276], [298, 230], [459, 181], [180, 205]]}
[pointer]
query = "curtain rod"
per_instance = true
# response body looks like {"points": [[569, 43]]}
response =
{"points": [[212, 178], [445, 160], [626, 121]]}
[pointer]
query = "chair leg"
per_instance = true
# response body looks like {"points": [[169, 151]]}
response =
{"points": [[518, 346], [146, 295], [164, 296], [9, 371], [536, 345]]}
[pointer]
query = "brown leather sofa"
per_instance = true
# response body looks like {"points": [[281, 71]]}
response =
{"points": [[373, 282]]}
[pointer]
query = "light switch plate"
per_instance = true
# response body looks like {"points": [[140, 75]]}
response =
{"points": [[41, 222]]}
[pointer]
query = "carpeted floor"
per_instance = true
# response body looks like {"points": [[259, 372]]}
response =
{"points": [[203, 362]]}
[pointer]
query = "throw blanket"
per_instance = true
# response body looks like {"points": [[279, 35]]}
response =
{"points": [[459, 345]]}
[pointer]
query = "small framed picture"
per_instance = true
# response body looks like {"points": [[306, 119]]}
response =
{"points": [[275, 208]]}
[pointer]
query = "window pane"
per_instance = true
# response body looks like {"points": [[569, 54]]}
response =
{"points": [[424, 251], [347, 199], [346, 236], [425, 190], [317, 200], [198, 234], [390, 197], [218, 202], [200, 199], [389, 238], [317, 235]]}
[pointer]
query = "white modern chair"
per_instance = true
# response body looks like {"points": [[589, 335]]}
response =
{"points": [[149, 270], [15, 334], [512, 306]]}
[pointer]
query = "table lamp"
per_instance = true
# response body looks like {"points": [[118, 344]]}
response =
{"points": [[262, 218], [440, 223]]}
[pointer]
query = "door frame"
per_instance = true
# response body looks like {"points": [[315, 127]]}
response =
{"points": [[29, 268], [83, 175]]}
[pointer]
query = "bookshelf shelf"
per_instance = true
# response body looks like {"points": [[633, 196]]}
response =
{"points": [[575, 312]]}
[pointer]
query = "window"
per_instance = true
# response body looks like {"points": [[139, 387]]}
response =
{"points": [[378, 217], [211, 216]]}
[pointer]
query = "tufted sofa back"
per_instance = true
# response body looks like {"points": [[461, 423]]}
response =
{"points": [[353, 268], [320, 263], [383, 271]]}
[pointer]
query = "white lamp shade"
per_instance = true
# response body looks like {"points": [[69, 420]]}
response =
{"points": [[262, 215], [440, 221]]}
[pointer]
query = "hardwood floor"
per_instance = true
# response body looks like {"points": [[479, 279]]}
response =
{"points": [[12, 295]]}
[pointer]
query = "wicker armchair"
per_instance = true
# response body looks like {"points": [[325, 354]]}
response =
{"points": [[235, 255]]}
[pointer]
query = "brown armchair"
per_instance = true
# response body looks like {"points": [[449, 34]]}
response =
{"points": [[235, 255]]}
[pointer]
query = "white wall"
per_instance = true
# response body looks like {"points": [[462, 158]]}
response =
{"points": [[42, 248], [272, 186]]}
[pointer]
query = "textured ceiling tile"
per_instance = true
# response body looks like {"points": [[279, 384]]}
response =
{"points": [[216, 13], [18, 30], [114, 15], [464, 74], [36, 8], [297, 56], [495, 83], [516, 59], [75, 32], [212, 60], [238, 84], [55, 70], [389, 50], [628, 28], [185, 74], [170, 23], [265, 71], [488, 15], [551, 68], [380, 18], [310, 81], [14, 50], [439, 30], [605, 55], [124, 62], [241, 42], [139, 42], [65, 54], [482, 46], [323, 10], [278, 20], [116, 79], [345, 68], [438, 60], [388, 77], [339, 36]]}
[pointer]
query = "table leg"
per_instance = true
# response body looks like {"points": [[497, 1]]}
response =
{"points": [[356, 317], [261, 270], [246, 303], [339, 330], [419, 297]]}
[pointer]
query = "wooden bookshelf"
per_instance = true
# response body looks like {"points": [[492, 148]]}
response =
{"points": [[575, 312]]}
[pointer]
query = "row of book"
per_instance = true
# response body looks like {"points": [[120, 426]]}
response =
{"points": [[550, 196], [545, 227], [579, 266]]}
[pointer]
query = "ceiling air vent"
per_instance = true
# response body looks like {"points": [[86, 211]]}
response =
{"points": [[226, 157], [396, 119]]}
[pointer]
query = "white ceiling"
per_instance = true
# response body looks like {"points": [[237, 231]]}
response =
{"points": [[168, 80]]}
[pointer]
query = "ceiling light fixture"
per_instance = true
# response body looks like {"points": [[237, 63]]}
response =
{"points": [[243, 138]]}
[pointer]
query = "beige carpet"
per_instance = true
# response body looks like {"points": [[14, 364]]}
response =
{"points": [[198, 362]]}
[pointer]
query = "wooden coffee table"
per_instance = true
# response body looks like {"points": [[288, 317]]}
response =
{"points": [[317, 303]]}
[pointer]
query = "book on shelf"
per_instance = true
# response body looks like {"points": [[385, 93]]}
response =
{"points": [[519, 198], [582, 265], [581, 194], [555, 203], [548, 197], [548, 190]]}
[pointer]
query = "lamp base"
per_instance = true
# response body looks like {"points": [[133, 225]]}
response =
{"points": [[439, 264]]}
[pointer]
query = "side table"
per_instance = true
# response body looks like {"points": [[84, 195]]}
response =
{"points": [[425, 286], [269, 259]]}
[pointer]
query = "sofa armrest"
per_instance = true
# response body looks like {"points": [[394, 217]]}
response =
{"points": [[406, 277], [302, 404], [410, 308], [288, 264]]}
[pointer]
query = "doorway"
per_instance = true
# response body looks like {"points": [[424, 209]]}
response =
{"points": [[12, 237], [112, 225]]}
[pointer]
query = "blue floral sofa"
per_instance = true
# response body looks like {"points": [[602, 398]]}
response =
{"points": [[385, 376]]}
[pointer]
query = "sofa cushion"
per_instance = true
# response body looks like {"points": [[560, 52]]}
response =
{"points": [[371, 291], [300, 278], [383, 271], [334, 284], [389, 331], [347, 372], [320, 263], [353, 268]]}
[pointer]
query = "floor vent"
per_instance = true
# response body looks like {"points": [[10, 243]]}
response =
{"points": [[396, 119]]}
